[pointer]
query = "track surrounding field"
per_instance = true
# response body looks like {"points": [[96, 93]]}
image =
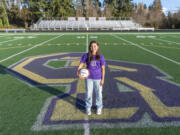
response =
{"points": [[41, 95]]}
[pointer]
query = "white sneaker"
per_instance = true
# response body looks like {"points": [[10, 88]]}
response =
{"points": [[88, 111], [99, 111]]}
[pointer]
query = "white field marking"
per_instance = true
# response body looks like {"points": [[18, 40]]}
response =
{"points": [[19, 37], [93, 37], [86, 125], [101, 33], [130, 33], [166, 41], [87, 43], [3, 36], [7, 41], [30, 48], [178, 63], [31, 37]]}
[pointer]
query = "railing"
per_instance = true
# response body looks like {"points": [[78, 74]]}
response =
{"points": [[15, 30], [91, 23]]}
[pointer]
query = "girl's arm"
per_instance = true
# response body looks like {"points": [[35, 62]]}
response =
{"points": [[103, 75], [79, 67]]}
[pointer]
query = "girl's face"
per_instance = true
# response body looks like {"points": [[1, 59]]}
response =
{"points": [[94, 47]]}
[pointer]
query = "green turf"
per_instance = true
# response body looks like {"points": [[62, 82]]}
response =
{"points": [[56, 64], [21, 103]]}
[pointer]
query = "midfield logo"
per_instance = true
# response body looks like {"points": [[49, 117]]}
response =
{"points": [[134, 95]]}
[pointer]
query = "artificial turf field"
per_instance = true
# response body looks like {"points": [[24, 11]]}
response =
{"points": [[141, 93]]}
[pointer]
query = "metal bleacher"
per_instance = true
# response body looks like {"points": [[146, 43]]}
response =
{"points": [[92, 23]]}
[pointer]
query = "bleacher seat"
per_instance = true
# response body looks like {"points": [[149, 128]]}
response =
{"points": [[93, 23]]}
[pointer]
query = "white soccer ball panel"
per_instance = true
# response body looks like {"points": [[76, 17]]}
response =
{"points": [[84, 73]]}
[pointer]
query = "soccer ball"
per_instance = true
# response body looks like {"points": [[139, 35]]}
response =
{"points": [[84, 73]]}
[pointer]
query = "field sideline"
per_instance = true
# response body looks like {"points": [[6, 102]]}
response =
{"points": [[40, 93]]}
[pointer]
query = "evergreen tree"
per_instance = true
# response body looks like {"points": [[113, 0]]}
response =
{"points": [[80, 8], [121, 8], [62, 8], [1, 24], [157, 5], [5, 21], [35, 10], [92, 8], [3, 14], [145, 6], [25, 16]]}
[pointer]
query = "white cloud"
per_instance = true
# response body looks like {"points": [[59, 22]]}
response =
{"points": [[164, 9], [175, 10], [172, 10]]}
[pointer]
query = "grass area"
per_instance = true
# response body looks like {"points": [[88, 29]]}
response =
{"points": [[21, 103], [138, 131], [56, 64]]}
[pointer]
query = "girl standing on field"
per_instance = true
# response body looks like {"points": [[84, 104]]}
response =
{"points": [[96, 65]]}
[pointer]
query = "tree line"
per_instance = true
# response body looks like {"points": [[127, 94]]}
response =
{"points": [[23, 13], [153, 16]]}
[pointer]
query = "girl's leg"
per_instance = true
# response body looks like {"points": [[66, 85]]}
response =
{"points": [[98, 91], [89, 92]]}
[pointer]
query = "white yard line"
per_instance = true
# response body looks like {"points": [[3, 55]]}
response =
{"points": [[87, 49], [8, 41], [178, 63], [3, 36], [86, 125], [86, 129], [29, 48], [166, 41]]}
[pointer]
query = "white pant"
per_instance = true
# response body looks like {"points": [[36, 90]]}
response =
{"points": [[90, 85]]}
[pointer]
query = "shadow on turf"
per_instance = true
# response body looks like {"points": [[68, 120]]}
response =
{"points": [[79, 103], [3, 69]]}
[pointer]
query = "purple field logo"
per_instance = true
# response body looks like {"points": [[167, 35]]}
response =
{"points": [[134, 95]]}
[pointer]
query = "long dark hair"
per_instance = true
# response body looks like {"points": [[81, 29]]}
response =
{"points": [[90, 55]]}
